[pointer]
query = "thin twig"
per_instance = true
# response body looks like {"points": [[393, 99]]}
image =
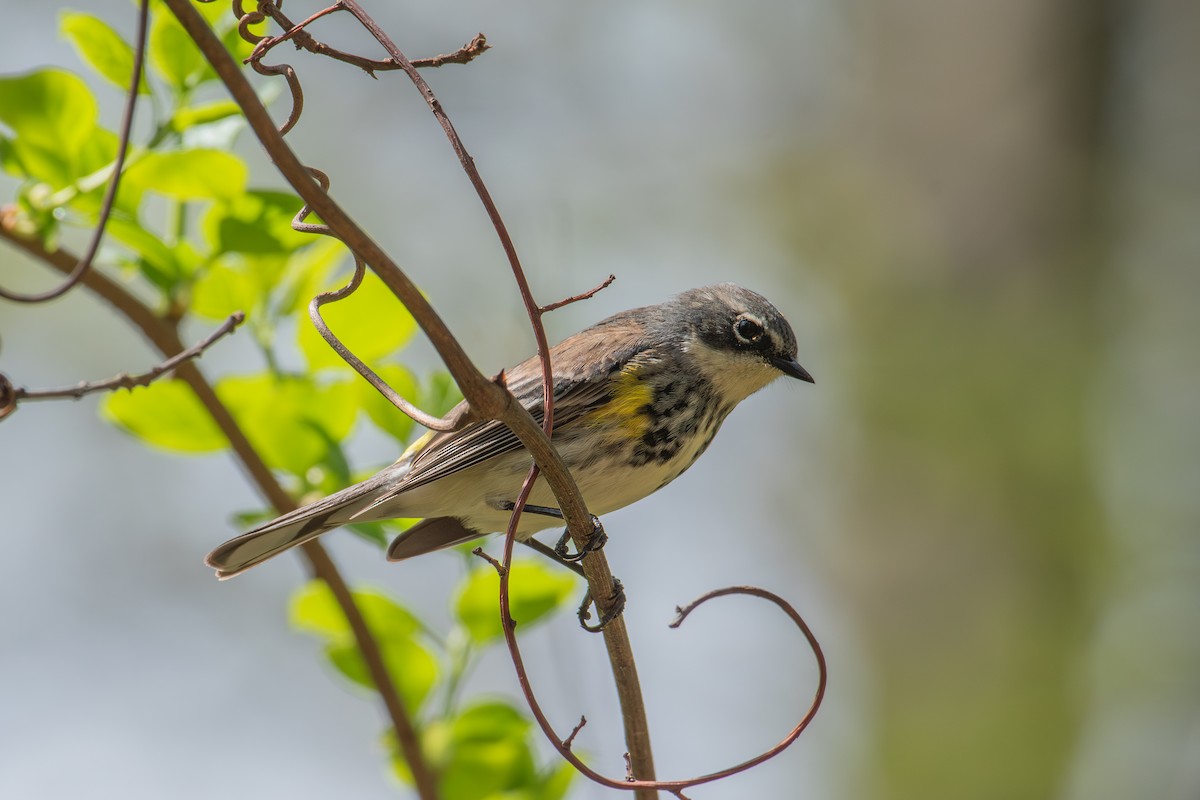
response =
{"points": [[463, 55], [114, 180], [305, 41], [270, 41], [501, 570], [127, 381], [577, 297], [567, 742]]}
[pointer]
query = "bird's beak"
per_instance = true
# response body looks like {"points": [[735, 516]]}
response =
{"points": [[789, 366]]}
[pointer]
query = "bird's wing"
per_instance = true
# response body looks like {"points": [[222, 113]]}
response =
{"points": [[584, 366]]}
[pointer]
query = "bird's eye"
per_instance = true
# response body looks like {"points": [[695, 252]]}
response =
{"points": [[747, 330]]}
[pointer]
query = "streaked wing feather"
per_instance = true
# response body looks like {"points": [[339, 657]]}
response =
{"points": [[576, 391]]}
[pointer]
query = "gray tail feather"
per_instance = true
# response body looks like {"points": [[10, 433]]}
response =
{"points": [[428, 535], [295, 527], [243, 552]]}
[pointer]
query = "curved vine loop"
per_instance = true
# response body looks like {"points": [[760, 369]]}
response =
{"points": [[114, 180], [630, 782], [314, 313], [262, 45]]}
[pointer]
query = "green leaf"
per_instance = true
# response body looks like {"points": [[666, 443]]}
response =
{"points": [[413, 669], [314, 610], [52, 115], [185, 175], [257, 223], [173, 53], [177, 58], [220, 290], [165, 414], [556, 782], [371, 323], [50, 107], [381, 411], [163, 265], [488, 753], [102, 48], [534, 591], [93, 166], [191, 116], [238, 47], [441, 394], [289, 419], [484, 753], [306, 269]]}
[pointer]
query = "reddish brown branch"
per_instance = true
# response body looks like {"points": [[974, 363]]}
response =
{"points": [[501, 570], [127, 381], [305, 41], [114, 180], [675, 787], [463, 55], [567, 742], [575, 298]]}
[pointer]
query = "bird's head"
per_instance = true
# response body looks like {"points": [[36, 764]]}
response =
{"points": [[736, 338]]}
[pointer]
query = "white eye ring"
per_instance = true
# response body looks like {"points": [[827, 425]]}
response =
{"points": [[748, 329]]}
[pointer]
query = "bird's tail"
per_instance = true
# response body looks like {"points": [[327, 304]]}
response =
{"points": [[297, 527]]}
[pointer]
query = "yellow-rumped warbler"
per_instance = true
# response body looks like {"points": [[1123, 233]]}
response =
{"points": [[637, 399]]}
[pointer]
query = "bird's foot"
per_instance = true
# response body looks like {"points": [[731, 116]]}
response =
{"points": [[612, 609], [596, 541]]}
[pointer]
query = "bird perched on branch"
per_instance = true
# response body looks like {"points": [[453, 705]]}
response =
{"points": [[637, 399]]}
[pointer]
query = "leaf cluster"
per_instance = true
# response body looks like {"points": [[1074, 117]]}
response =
{"points": [[482, 748], [197, 241]]}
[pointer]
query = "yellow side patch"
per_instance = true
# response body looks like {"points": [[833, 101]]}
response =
{"points": [[416, 446], [630, 396]]}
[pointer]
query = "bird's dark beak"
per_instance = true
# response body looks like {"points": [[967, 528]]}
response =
{"points": [[789, 366]]}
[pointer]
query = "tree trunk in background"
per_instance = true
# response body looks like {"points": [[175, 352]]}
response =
{"points": [[1141, 736], [961, 226], [981, 527]]}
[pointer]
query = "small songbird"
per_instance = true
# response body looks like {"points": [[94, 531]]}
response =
{"points": [[637, 399]]}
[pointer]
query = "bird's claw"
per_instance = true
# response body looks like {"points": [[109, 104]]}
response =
{"points": [[614, 608], [596, 541]]}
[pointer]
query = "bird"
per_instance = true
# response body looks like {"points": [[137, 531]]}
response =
{"points": [[638, 398]]}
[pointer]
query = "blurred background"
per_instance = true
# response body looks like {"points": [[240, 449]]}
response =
{"points": [[983, 219]]}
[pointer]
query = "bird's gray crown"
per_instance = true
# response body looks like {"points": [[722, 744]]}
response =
{"points": [[714, 313]]}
